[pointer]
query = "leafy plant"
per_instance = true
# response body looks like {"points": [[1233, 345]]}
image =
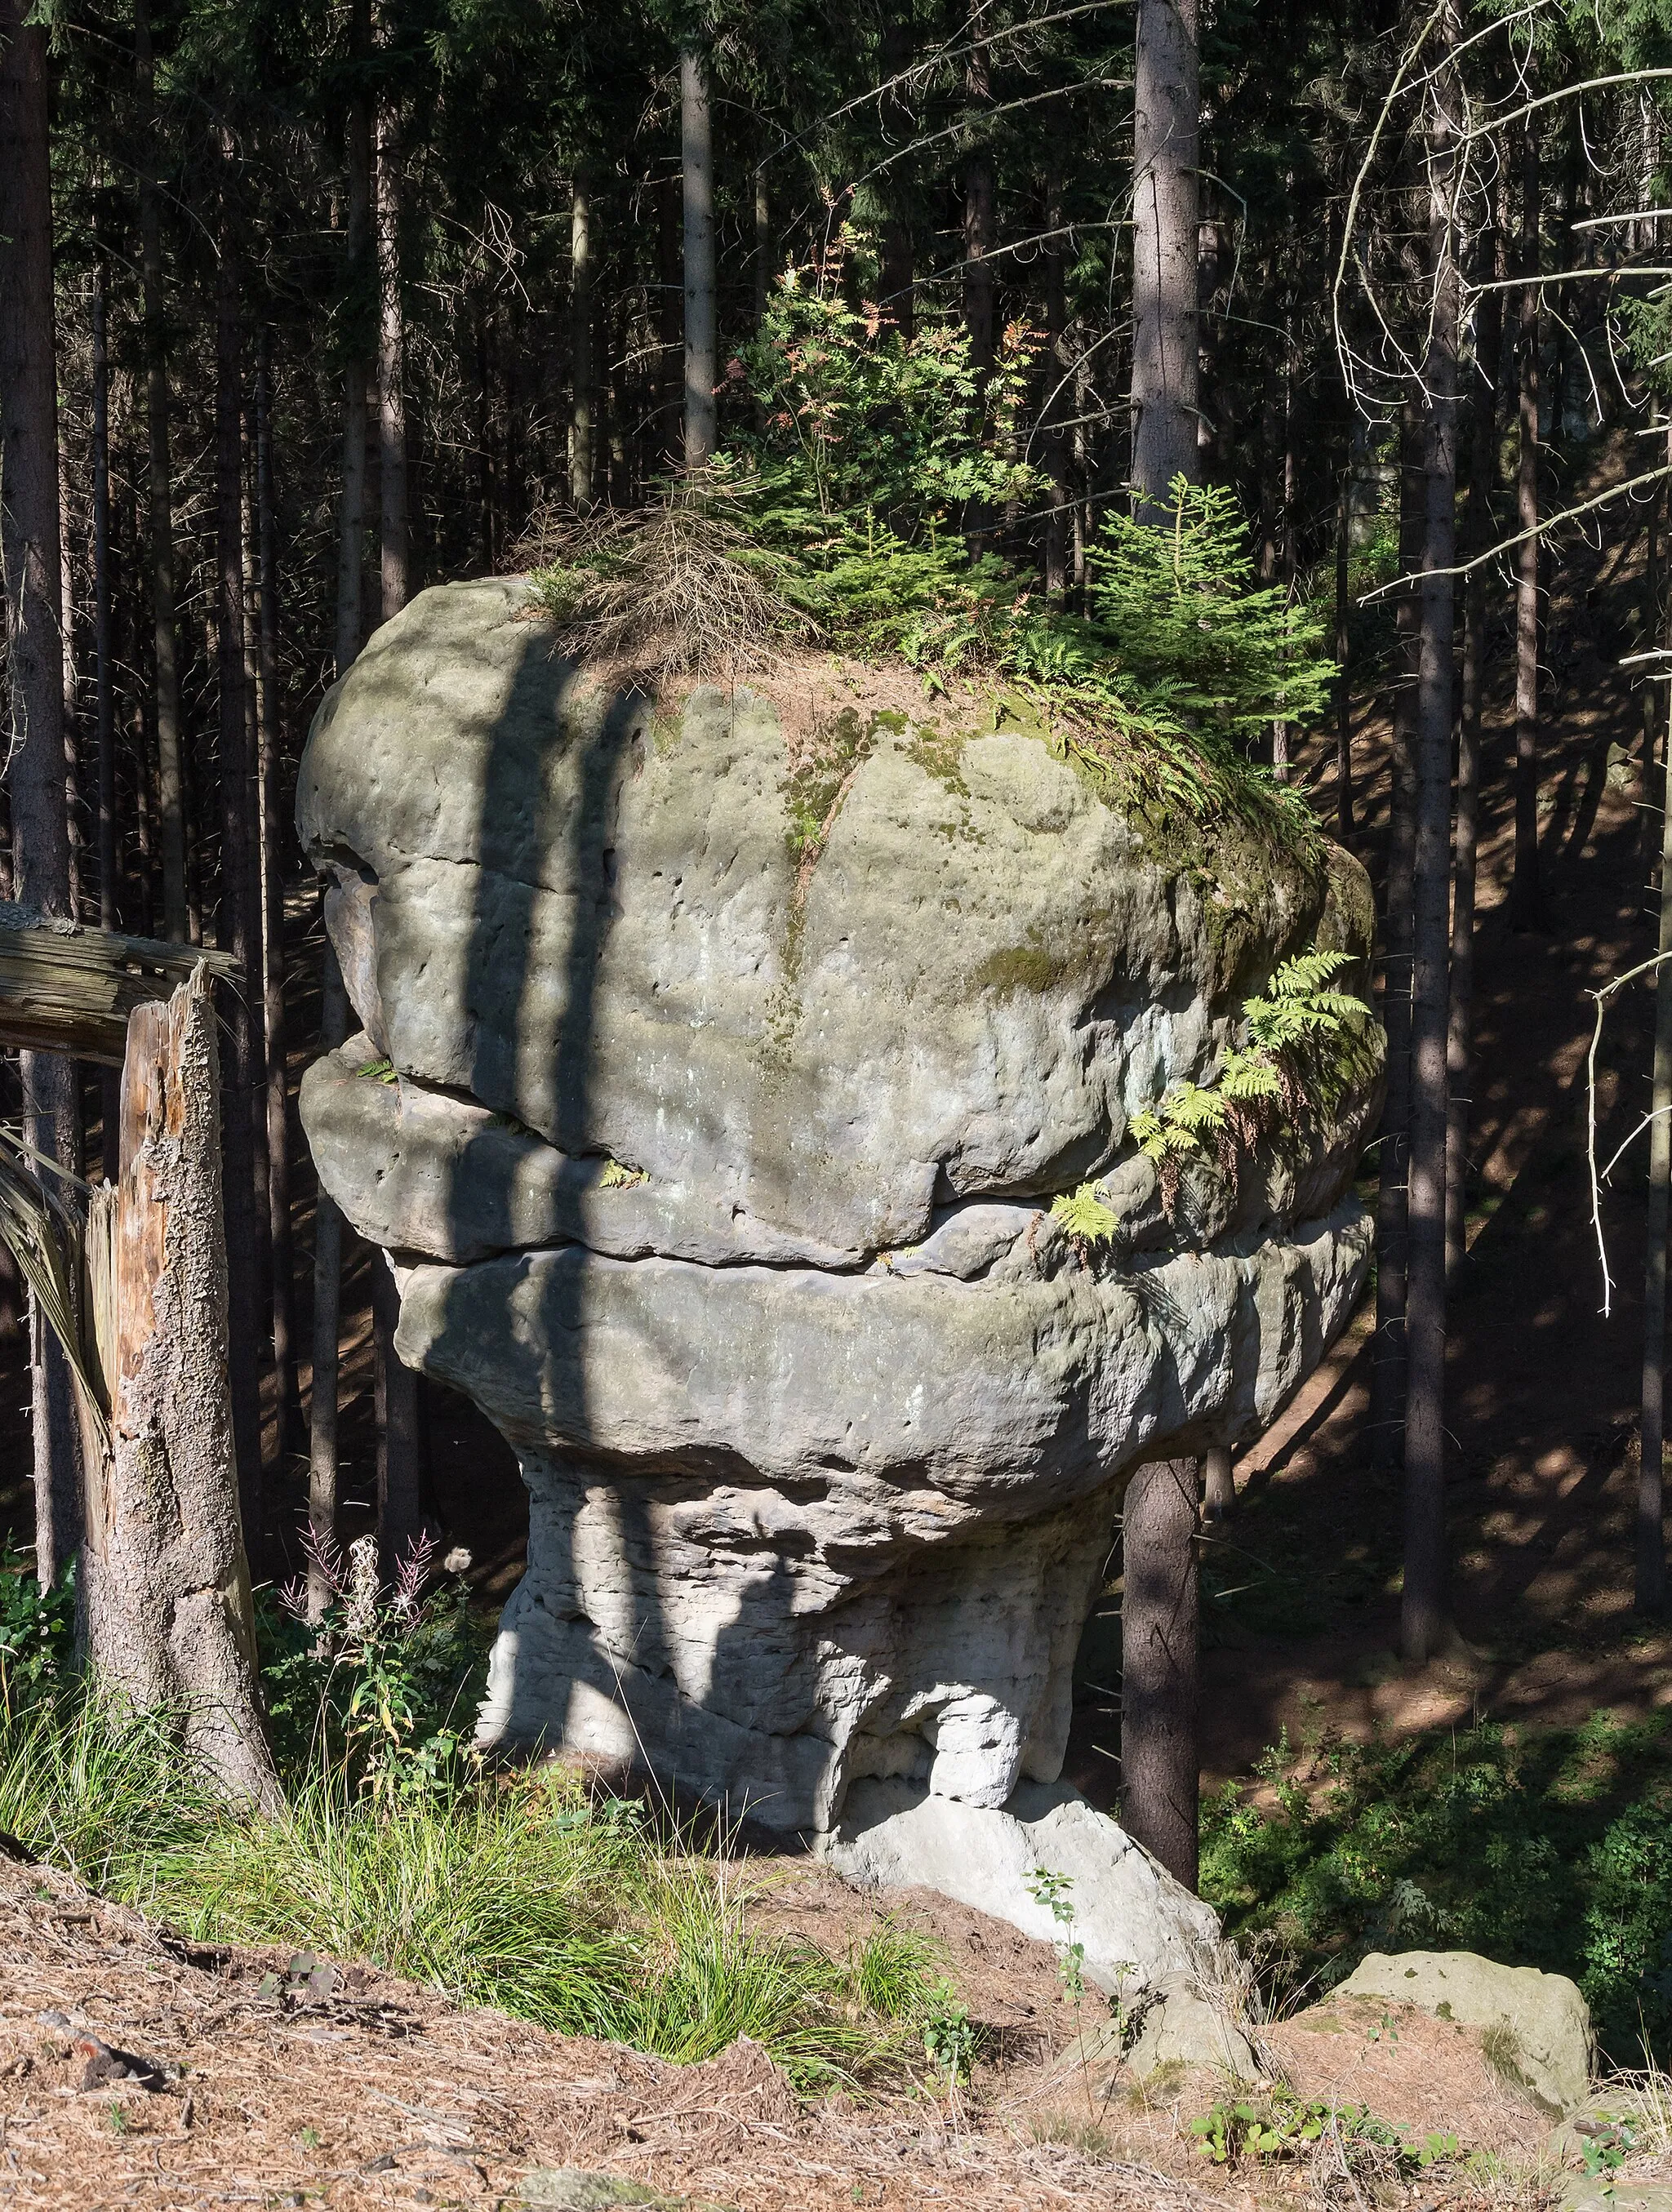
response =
{"points": [[382, 1684], [37, 1631], [949, 2034], [861, 420], [1306, 1044], [1086, 1219], [1279, 2124], [1054, 1891], [1194, 634]]}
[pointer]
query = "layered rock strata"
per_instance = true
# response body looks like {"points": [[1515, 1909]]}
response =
{"points": [[712, 1090]]}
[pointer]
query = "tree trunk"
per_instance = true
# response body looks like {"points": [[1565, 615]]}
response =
{"points": [[979, 224], [1424, 1605], [1654, 700], [327, 1325], [351, 533], [1649, 1575], [396, 1386], [399, 1508], [1218, 1485], [104, 695], [1159, 1779], [235, 933], [697, 155], [765, 260], [1164, 249], [391, 369], [171, 804], [170, 1622], [30, 564], [269, 741], [668, 440], [1386, 1405], [67, 628], [580, 350], [1460, 1040], [1056, 365], [1343, 660], [1526, 905], [103, 687]]}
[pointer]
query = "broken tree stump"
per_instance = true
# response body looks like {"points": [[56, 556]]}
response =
{"points": [[170, 1615], [67, 989]]}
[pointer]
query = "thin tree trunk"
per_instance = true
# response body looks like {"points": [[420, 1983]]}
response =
{"points": [[1165, 129], [396, 1385], [1219, 1487], [104, 697], [1054, 438], [268, 737], [670, 325], [1654, 702], [580, 349], [170, 1622], [697, 155], [327, 1325], [1424, 1607], [391, 369], [1343, 660], [898, 274], [1387, 1369], [979, 240], [30, 564], [171, 804], [1159, 1779], [399, 1458], [234, 930], [67, 628], [1526, 904], [764, 268], [1649, 1576], [1460, 1040], [351, 532], [262, 1249]]}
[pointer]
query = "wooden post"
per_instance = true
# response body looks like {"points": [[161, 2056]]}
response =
{"points": [[170, 1622]]}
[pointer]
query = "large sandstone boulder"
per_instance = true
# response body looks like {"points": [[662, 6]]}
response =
{"points": [[1538, 2025], [739, 1047]]}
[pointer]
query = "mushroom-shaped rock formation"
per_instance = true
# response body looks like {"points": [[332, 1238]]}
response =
{"points": [[727, 1077]]}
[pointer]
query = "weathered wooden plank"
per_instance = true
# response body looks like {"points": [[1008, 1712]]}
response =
{"points": [[64, 989]]}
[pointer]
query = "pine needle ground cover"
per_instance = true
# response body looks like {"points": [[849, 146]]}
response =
{"points": [[524, 1891]]}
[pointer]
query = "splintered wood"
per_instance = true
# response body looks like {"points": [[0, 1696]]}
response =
{"points": [[67, 989], [379, 2095]]}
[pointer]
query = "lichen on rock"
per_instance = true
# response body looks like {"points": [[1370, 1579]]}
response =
{"points": [[824, 1419]]}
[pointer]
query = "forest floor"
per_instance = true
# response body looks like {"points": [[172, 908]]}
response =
{"points": [[138, 2070]]}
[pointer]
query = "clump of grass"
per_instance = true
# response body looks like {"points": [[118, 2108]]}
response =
{"points": [[665, 591], [523, 1892]]}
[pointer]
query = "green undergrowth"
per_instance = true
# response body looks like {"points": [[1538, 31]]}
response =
{"points": [[523, 1890], [857, 515], [1552, 1849]]}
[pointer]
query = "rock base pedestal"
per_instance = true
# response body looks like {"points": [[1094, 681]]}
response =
{"points": [[1138, 1925]]}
